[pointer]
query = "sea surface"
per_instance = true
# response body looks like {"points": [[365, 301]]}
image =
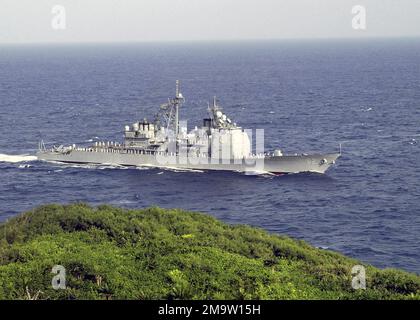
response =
{"points": [[308, 96]]}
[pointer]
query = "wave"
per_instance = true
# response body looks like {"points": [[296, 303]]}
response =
{"points": [[14, 158], [95, 166], [92, 139], [366, 109], [261, 173], [67, 165], [24, 166], [110, 166], [123, 202], [172, 169], [143, 168], [176, 169], [88, 165]]}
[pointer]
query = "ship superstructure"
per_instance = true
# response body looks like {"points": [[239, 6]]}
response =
{"points": [[218, 144]]}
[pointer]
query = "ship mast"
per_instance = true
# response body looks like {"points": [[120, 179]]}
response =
{"points": [[169, 112], [177, 103]]}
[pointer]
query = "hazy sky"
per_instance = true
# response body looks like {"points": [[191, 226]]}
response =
{"points": [[163, 20]]}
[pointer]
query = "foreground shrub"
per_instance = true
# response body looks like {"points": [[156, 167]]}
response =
{"points": [[112, 253]]}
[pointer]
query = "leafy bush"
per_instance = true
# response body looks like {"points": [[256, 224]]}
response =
{"points": [[112, 253]]}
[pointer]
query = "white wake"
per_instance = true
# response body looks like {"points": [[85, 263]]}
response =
{"points": [[14, 158]]}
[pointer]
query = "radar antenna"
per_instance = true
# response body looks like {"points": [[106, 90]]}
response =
{"points": [[219, 118]]}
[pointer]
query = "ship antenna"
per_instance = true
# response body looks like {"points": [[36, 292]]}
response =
{"points": [[176, 110], [178, 100]]}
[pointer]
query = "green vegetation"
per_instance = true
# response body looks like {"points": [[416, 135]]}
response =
{"points": [[112, 253]]}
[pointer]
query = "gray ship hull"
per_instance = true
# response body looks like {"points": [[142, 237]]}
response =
{"points": [[318, 163]]}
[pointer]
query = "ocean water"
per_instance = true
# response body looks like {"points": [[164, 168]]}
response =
{"points": [[308, 96]]}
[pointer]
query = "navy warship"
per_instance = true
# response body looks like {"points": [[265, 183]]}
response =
{"points": [[165, 142]]}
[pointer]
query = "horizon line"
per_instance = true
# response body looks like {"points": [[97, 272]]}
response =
{"points": [[304, 39]]}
